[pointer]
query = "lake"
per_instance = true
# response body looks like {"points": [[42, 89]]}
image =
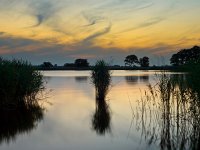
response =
{"points": [[70, 106]]}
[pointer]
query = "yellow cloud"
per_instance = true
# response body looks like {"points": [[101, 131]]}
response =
{"points": [[123, 25]]}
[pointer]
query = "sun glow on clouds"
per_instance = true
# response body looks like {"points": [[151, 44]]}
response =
{"points": [[110, 24]]}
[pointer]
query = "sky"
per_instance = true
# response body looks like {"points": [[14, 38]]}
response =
{"points": [[63, 30]]}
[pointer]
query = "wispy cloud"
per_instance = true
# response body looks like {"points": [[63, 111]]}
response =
{"points": [[71, 27], [147, 23], [43, 10], [99, 33], [13, 45], [151, 22], [92, 20], [98, 24]]}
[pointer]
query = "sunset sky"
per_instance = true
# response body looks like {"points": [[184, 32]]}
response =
{"points": [[62, 30]]}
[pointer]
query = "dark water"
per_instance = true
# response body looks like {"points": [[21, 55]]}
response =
{"points": [[74, 121]]}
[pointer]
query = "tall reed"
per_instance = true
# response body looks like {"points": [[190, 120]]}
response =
{"points": [[19, 83], [170, 113], [101, 78]]}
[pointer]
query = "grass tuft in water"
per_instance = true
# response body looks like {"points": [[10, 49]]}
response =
{"points": [[101, 78]]}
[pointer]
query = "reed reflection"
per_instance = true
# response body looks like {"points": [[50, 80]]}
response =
{"points": [[169, 113], [19, 121], [101, 79], [101, 118]]}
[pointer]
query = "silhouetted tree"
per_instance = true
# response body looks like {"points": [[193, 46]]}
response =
{"points": [[131, 60], [47, 64], [175, 60], [144, 62], [186, 56], [81, 63]]}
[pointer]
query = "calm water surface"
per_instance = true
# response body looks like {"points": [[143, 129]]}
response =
{"points": [[67, 122]]}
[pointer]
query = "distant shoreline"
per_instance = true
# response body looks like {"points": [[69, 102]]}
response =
{"points": [[61, 68]]}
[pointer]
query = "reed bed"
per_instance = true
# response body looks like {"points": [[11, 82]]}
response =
{"points": [[19, 83], [168, 114]]}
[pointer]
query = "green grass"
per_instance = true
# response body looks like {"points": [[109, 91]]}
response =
{"points": [[19, 83]]}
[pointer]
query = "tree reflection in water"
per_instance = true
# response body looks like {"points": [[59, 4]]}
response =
{"points": [[144, 78], [169, 113], [131, 79], [81, 79]]}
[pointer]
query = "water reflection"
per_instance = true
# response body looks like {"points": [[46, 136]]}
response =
{"points": [[81, 79], [169, 113], [101, 118], [136, 79], [18, 121], [74, 108], [101, 78], [144, 78], [131, 79]]}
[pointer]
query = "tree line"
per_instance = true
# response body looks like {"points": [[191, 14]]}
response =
{"points": [[130, 60], [77, 63], [183, 57]]}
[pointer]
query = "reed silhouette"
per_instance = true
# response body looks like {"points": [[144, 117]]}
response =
{"points": [[19, 83], [20, 110], [169, 113], [101, 78]]}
